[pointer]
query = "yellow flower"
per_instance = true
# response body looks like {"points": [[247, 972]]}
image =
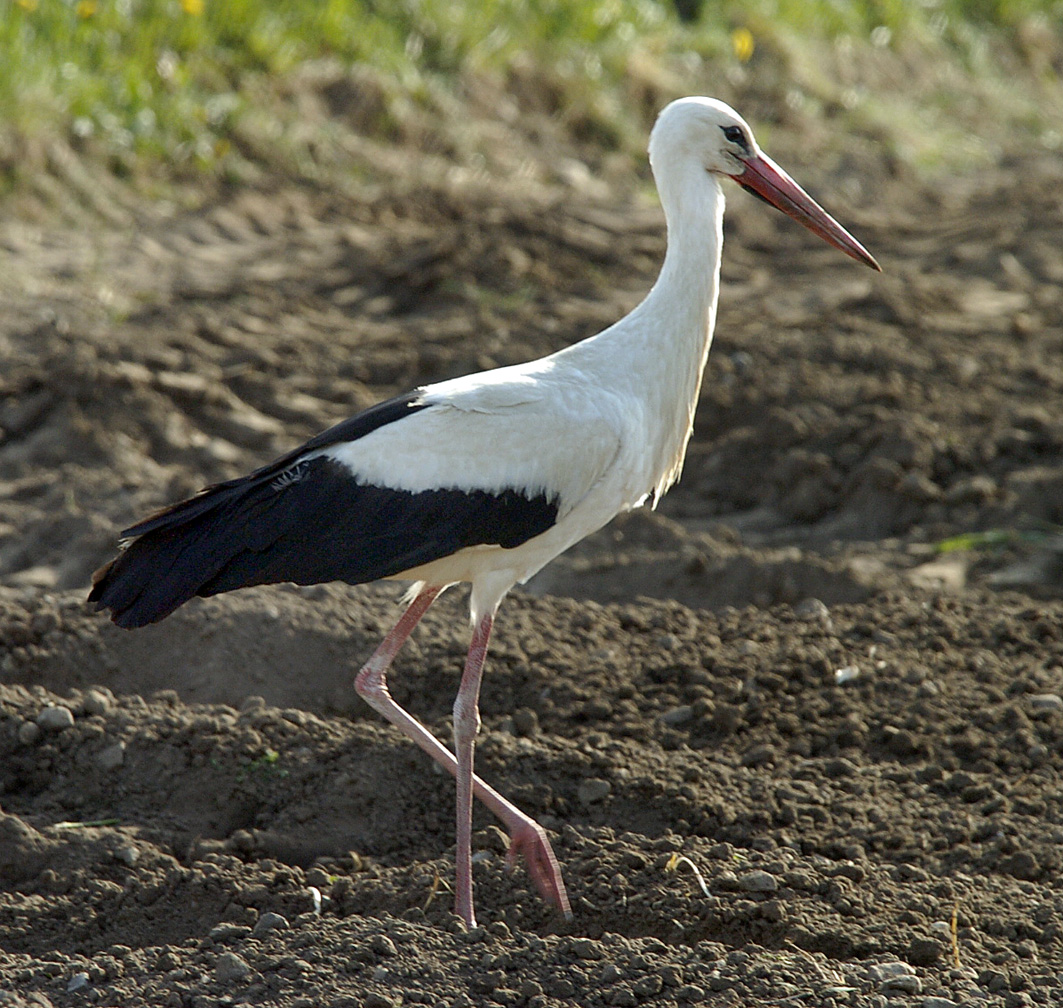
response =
{"points": [[742, 42], [27, 5], [193, 7], [85, 8]]}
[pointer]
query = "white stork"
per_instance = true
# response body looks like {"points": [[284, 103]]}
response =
{"points": [[484, 478]]}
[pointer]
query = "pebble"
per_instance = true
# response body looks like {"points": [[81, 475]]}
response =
{"points": [[648, 986], [888, 970], [1046, 701], [95, 702], [924, 951], [127, 854], [593, 789], [584, 948], [53, 718], [227, 932], [758, 881], [758, 755], [992, 980], [381, 944], [374, 999], [270, 921], [691, 993], [896, 976], [112, 757], [29, 732], [1023, 865], [939, 1002], [672, 975], [77, 982], [526, 722], [230, 968], [811, 608], [678, 715]]}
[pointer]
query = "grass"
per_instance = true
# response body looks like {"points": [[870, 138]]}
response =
{"points": [[180, 87]]}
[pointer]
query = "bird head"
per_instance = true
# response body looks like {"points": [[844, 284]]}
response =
{"points": [[714, 136]]}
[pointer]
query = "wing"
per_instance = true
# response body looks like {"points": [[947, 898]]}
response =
{"points": [[409, 481]]}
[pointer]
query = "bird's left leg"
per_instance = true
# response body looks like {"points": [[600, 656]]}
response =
{"points": [[527, 837], [466, 728]]}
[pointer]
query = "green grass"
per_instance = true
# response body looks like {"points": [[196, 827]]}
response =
{"points": [[179, 87]]}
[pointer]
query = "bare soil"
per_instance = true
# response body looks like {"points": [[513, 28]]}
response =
{"points": [[790, 751]]}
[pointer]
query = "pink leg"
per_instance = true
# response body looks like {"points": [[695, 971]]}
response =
{"points": [[466, 728], [527, 837]]}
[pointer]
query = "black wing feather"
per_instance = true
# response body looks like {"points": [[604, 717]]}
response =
{"points": [[307, 522], [351, 429]]}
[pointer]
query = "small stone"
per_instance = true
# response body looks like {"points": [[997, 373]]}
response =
{"points": [[381, 944], [811, 609], [672, 975], [111, 758], [896, 976], [924, 951], [584, 948], [1023, 865], [530, 988], [758, 881], [758, 756], [53, 718], [610, 973], [525, 722], [678, 715], [939, 1002], [1046, 701], [270, 921], [992, 980], [593, 789], [839, 767], [127, 854], [230, 968], [648, 986], [374, 999], [29, 732], [228, 932], [95, 702], [77, 982], [883, 971]]}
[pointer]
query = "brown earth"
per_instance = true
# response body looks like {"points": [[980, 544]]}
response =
{"points": [[790, 751]]}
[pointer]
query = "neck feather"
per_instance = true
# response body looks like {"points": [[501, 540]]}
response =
{"points": [[674, 324]]}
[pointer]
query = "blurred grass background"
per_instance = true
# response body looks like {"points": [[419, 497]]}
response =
{"points": [[171, 89]]}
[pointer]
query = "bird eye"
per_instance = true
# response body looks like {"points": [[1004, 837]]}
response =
{"points": [[736, 136]]}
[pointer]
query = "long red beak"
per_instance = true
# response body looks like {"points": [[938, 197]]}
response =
{"points": [[764, 178]]}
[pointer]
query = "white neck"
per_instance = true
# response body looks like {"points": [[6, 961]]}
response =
{"points": [[685, 294], [659, 350]]}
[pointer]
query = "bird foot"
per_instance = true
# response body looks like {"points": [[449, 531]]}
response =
{"points": [[529, 839]]}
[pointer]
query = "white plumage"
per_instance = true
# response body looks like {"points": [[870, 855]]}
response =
{"points": [[488, 477]]}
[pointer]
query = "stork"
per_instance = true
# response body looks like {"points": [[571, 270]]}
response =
{"points": [[484, 478]]}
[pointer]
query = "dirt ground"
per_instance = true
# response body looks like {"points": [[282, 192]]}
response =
{"points": [[790, 752]]}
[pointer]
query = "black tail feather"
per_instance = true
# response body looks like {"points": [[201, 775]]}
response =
{"points": [[310, 523]]}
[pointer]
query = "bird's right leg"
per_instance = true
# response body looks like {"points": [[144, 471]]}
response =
{"points": [[527, 837]]}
